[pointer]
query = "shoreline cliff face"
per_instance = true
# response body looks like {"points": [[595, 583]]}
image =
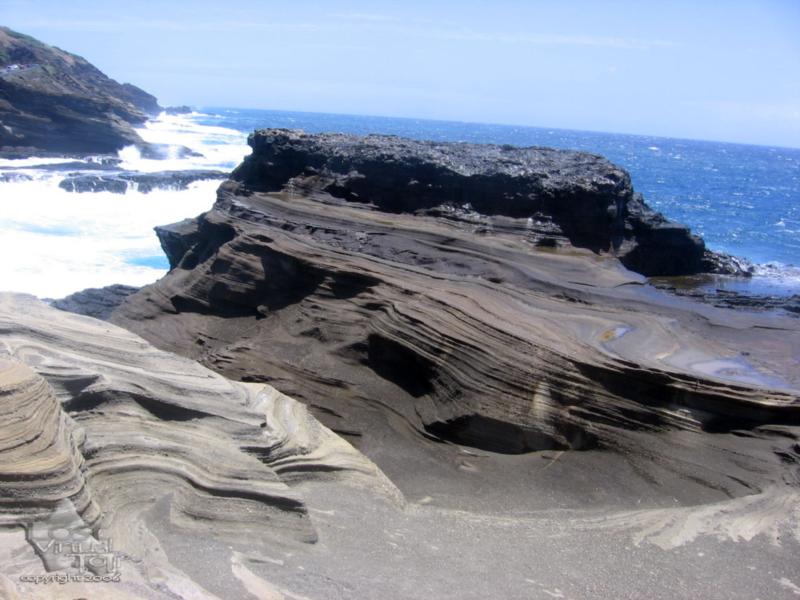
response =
{"points": [[52, 101]]}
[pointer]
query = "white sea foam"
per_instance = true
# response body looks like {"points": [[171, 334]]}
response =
{"points": [[787, 274], [53, 242], [221, 148]]}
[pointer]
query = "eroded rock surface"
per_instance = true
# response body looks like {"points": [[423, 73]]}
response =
{"points": [[101, 429], [567, 197], [40, 448], [546, 415], [95, 302], [405, 324]]}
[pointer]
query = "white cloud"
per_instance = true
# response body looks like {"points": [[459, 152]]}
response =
{"points": [[165, 25]]}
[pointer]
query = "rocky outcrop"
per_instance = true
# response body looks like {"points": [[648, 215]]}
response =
{"points": [[56, 102], [566, 197], [40, 448], [95, 302], [178, 110], [527, 394]]}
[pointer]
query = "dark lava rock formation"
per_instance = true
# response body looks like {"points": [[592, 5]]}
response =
{"points": [[567, 197], [56, 102]]}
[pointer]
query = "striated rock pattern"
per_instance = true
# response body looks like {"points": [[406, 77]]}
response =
{"points": [[411, 331], [704, 291], [40, 448], [567, 197], [54, 101], [160, 447], [117, 429], [547, 415], [95, 302]]}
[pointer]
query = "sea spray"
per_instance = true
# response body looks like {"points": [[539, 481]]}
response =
{"points": [[57, 242]]}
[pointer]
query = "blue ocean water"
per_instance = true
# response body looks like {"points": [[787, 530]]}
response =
{"points": [[741, 199]]}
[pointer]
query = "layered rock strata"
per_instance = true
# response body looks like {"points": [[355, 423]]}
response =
{"points": [[404, 322], [100, 430], [565, 197], [40, 448], [95, 302], [538, 404]]}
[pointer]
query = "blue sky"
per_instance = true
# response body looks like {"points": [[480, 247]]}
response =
{"points": [[701, 69]]}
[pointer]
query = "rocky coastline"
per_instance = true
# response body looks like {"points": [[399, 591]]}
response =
{"points": [[566, 197], [385, 368], [316, 242], [121, 182]]}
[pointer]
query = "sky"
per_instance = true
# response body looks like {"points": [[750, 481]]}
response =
{"points": [[705, 69]]}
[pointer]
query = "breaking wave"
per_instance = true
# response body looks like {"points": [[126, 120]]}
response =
{"points": [[55, 242]]}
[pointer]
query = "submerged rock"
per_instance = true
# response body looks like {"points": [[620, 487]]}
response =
{"points": [[13, 177], [178, 110], [166, 151], [95, 302], [121, 182]]}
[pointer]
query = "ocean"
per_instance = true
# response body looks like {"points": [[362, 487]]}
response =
{"points": [[744, 200]]}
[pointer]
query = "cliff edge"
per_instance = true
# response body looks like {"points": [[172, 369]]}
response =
{"points": [[565, 197]]}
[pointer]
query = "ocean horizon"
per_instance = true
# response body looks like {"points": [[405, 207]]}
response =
{"points": [[211, 109]]}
